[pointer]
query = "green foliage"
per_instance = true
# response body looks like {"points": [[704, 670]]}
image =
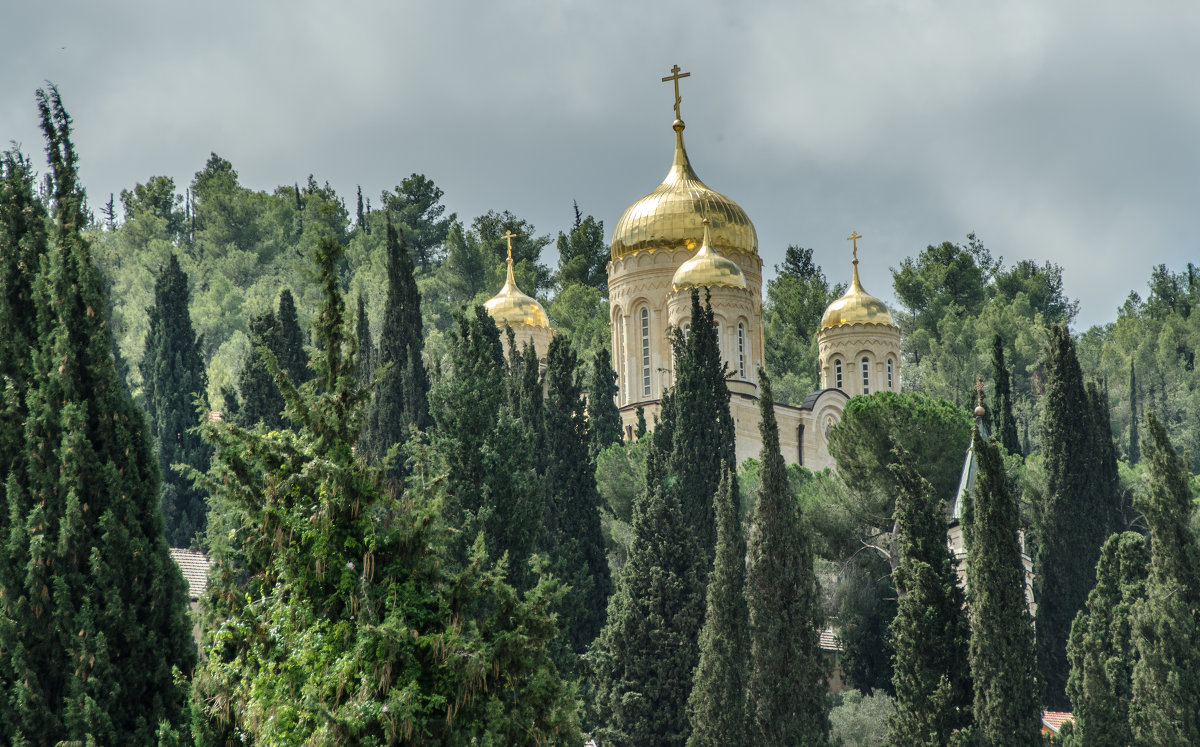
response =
{"points": [[583, 255], [365, 356], [1134, 448], [786, 700], [1166, 677], [1101, 648], [865, 603], [943, 280], [415, 206], [259, 398], [860, 720], [334, 614], [1003, 421], [581, 312], [290, 353], [173, 376], [796, 299], [604, 420], [1007, 709], [620, 476], [930, 633]]}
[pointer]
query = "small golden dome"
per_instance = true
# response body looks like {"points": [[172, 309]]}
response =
{"points": [[980, 411], [708, 269], [856, 306], [512, 307], [670, 216]]}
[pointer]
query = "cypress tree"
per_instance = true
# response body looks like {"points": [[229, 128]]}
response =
{"points": [[931, 667], [641, 423], [1107, 496], [527, 398], [260, 400], [604, 420], [93, 627], [401, 399], [572, 514], [173, 377], [1073, 521], [717, 708], [289, 352], [786, 694], [1101, 648], [365, 356], [1005, 425], [1166, 677], [1001, 649], [1135, 453]]}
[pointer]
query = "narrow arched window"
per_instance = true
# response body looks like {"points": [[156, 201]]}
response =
{"points": [[866, 373], [626, 384], [741, 351], [646, 352], [889, 373], [837, 374]]}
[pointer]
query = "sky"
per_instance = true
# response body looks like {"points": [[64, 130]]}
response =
{"points": [[1058, 131]]}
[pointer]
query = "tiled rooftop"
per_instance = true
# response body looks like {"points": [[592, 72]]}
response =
{"points": [[195, 570]]}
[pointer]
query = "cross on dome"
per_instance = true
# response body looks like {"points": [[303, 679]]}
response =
{"points": [[674, 77], [510, 236], [854, 236]]}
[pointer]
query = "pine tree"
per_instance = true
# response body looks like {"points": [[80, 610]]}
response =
{"points": [[1166, 678], [574, 539], [1135, 453], [290, 340], [260, 400], [93, 627], [717, 708], [401, 399], [1005, 425], [604, 420], [1072, 522], [173, 376], [1001, 648], [931, 668], [786, 701], [1101, 648]]}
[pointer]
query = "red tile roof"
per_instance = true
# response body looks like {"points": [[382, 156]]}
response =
{"points": [[1053, 720], [195, 570]]}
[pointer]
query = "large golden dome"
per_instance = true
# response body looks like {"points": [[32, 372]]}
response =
{"points": [[856, 306], [670, 216], [512, 307], [708, 269]]}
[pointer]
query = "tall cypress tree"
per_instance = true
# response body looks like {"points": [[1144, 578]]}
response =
{"points": [[1135, 453], [290, 353], [1166, 678], [931, 668], [1101, 648], [94, 632], [1107, 496], [260, 400], [1004, 423], [173, 377], [365, 357], [401, 400], [1073, 521], [786, 701], [572, 514], [1001, 649], [604, 420], [717, 708]]}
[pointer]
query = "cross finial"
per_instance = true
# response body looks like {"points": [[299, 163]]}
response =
{"points": [[674, 77], [978, 392], [854, 236], [510, 236]]}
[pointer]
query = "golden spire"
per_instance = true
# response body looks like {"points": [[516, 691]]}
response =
{"points": [[856, 306], [510, 306], [854, 283], [674, 78], [708, 269]]}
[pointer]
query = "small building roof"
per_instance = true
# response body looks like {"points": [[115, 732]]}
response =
{"points": [[829, 640], [1053, 720], [195, 569]]}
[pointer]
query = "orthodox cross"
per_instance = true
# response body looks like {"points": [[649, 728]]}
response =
{"points": [[674, 77], [510, 236], [978, 392], [854, 237]]}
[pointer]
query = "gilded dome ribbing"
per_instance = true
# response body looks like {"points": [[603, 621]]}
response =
{"points": [[512, 307], [671, 216], [708, 269], [856, 306]]}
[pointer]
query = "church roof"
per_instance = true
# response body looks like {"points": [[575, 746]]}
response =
{"points": [[512, 307], [970, 471], [856, 306], [708, 269]]}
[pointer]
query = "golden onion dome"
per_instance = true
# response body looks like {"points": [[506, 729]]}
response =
{"points": [[670, 216], [512, 307], [708, 269], [856, 306]]}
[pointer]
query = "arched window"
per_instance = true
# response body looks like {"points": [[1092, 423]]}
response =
{"points": [[646, 352], [837, 374], [889, 373], [741, 351], [866, 372], [623, 360]]}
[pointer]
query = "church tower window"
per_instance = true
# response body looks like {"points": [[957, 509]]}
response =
{"points": [[889, 373], [866, 372], [741, 351], [646, 352], [837, 374]]}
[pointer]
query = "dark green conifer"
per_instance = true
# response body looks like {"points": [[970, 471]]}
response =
{"points": [[641, 423], [1073, 521], [1001, 649], [931, 668], [173, 377], [604, 420], [290, 341], [259, 398], [717, 708], [94, 638], [401, 398], [1003, 423], [365, 356], [786, 693], [1101, 648], [527, 396], [1166, 678], [1135, 452]]}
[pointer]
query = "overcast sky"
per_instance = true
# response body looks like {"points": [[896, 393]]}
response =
{"points": [[1061, 131]]}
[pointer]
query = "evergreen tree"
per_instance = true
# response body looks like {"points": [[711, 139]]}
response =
{"points": [[1004, 424], [1166, 678], [786, 701], [1072, 521], [1001, 649], [640, 430], [527, 397], [931, 668], [365, 356], [1105, 488], [290, 341], [572, 515], [260, 400], [94, 636], [1135, 453], [352, 626], [604, 420], [401, 399], [1101, 648], [173, 376], [717, 708]]}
